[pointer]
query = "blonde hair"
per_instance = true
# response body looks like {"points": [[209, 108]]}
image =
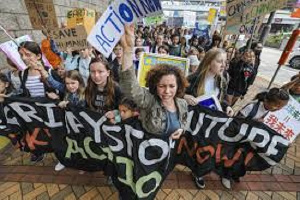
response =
{"points": [[204, 67]]}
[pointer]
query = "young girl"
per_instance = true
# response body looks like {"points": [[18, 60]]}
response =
{"points": [[102, 93], [273, 100], [32, 84], [6, 87], [127, 109], [6, 90], [73, 90], [208, 79]]}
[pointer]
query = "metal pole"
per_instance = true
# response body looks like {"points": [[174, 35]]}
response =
{"points": [[252, 34], [275, 74], [267, 28]]}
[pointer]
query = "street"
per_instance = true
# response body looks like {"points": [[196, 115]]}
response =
{"points": [[268, 66]]}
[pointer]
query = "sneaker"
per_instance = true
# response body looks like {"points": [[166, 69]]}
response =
{"points": [[35, 158], [59, 167], [199, 182], [226, 183], [109, 180], [81, 172]]}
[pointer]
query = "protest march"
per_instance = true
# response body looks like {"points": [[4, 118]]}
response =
{"points": [[133, 93]]}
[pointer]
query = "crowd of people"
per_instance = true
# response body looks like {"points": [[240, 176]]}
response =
{"points": [[109, 86]]}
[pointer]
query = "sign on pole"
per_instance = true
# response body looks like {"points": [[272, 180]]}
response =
{"points": [[81, 16], [240, 13], [41, 14], [74, 38], [110, 27], [149, 60], [286, 121]]}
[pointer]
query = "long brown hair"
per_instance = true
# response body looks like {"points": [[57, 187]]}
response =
{"points": [[203, 69], [74, 75], [91, 88]]}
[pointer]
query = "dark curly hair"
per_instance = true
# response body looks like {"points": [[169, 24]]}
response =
{"points": [[156, 73]]}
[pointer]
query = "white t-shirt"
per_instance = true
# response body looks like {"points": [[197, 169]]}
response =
{"points": [[261, 111], [211, 87]]}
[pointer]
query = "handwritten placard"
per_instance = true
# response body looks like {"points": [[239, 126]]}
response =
{"points": [[110, 27], [41, 13], [74, 38], [286, 121]]}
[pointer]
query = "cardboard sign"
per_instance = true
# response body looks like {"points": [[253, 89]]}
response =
{"points": [[209, 101], [240, 13], [81, 16], [74, 38], [286, 121], [110, 27], [41, 13], [10, 49], [149, 60]]}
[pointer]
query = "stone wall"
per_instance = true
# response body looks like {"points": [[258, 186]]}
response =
{"points": [[14, 17]]}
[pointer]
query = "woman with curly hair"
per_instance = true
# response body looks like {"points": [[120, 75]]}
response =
{"points": [[162, 109]]}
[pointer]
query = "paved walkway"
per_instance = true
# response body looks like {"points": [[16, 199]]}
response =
{"points": [[21, 179]]}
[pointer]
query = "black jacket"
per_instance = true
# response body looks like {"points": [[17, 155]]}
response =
{"points": [[242, 75]]}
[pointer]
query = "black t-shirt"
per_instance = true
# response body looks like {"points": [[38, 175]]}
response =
{"points": [[99, 103]]}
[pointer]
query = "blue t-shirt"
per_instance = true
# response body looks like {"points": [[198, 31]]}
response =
{"points": [[173, 123]]}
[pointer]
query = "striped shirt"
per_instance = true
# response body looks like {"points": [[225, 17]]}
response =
{"points": [[35, 86]]}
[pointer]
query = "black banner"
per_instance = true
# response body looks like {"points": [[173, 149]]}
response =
{"points": [[139, 161]]}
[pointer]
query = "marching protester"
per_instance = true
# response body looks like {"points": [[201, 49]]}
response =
{"points": [[115, 65], [163, 49], [127, 109], [73, 90], [158, 42], [162, 111], [208, 79], [32, 84], [242, 74], [175, 47], [102, 93], [264, 102]]}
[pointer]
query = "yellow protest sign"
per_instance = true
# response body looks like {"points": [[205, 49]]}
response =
{"points": [[150, 60], [211, 15], [81, 16], [41, 14]]}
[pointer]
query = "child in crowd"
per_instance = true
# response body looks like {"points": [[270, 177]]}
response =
{"points": [[175, 47], [6, 90], [127, 109], [73, 90], [138, 53], [163, 49], [273, 100]]}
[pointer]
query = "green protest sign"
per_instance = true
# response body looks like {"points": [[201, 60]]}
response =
{"points": [[153, 20], [241, 13]]}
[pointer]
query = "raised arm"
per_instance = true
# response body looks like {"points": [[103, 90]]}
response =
{"points": [[127, 42]]}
